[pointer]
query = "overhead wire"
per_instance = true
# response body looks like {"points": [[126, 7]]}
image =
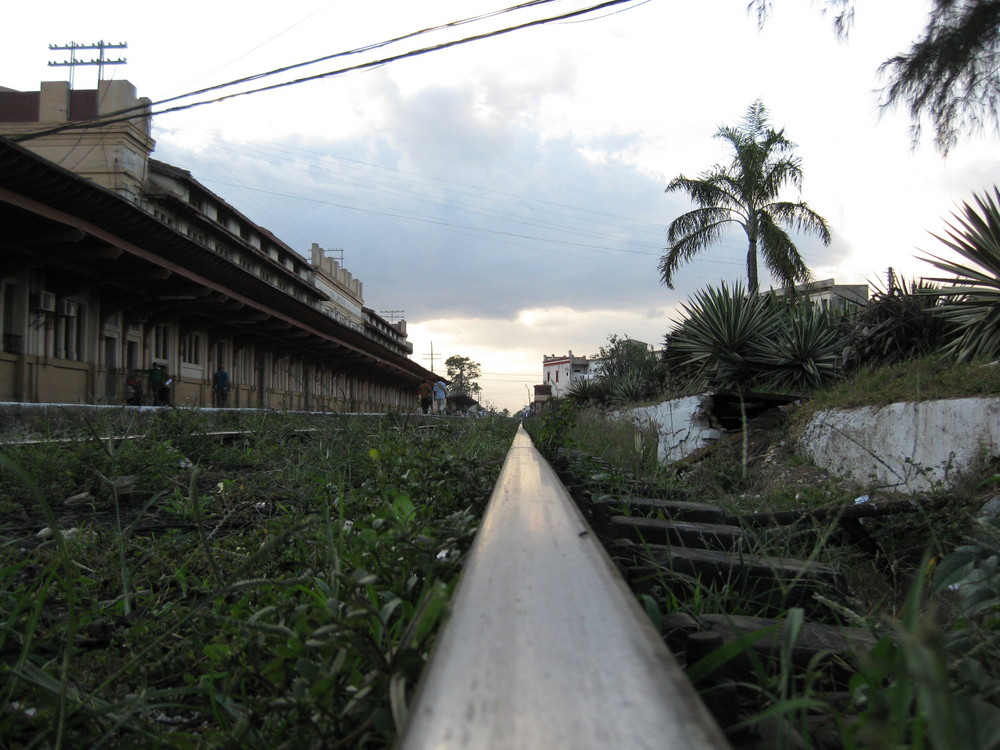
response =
{"points": [[144, 110], [652, 248], [355, 51], [637, 246], [642, 225]]}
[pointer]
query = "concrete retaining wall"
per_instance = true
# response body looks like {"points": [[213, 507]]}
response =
{"points": [[909, 447], [681, 424]]}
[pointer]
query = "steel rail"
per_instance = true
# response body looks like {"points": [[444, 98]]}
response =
{"points": [[545, 647]]}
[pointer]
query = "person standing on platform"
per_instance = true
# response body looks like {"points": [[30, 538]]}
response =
{"points": [[220, 386]]}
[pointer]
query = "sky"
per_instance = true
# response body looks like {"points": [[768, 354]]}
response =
{"points": [[506, 196]]}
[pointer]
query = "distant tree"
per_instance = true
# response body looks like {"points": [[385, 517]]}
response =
{"points": [[745, 193], [628, 372], [624, 355], [949, 74], [463, 374]]}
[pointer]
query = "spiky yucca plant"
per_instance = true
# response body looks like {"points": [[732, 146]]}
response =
{"points": [[973, 289], [589, 392], [804, 351], [721, 334], [897, 324], [731, 340], [631, 387]]}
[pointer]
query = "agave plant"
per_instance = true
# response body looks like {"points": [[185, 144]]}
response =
{"points": [[631, 386], [973, 289], [721, 335], [897, 324], [588, 392], [804, 351], [731, 340]]}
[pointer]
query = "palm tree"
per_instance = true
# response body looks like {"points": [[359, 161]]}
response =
{"points": [[745, 193]]}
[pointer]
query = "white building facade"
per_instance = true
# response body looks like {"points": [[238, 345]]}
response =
{"points": [[561, 371]]}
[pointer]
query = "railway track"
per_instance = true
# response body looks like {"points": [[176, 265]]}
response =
{"points": [[547, 647]]}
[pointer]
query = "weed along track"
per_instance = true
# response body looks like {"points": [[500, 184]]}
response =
{"points": [[268, 580], [836, 624], [676, 553], [252, 579]]}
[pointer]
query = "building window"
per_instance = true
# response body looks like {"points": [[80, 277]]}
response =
{"points": [[243, 371], [191, 349], [160, 345], [279, 373], [69, 339], [11, 340]]}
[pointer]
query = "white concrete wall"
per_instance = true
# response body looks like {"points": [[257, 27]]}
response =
{"points": [[681, 426], [909, 447]]}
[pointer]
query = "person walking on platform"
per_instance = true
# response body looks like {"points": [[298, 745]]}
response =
{"points": [[440, 397], [425, 392]]}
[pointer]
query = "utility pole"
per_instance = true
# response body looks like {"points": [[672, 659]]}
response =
{"points": [[100, 62], [431, 356]]}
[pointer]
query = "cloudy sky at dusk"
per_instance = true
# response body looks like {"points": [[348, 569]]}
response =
{"points": [[508, 194]]}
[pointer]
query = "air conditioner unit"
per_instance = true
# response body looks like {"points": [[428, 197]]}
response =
{"points": [[43, 301], [66, 308]]}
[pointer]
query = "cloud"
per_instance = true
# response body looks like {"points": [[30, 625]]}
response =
{"points": [[475, 218]]}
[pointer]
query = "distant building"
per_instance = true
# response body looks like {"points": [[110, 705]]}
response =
{"points": [[560, 371], [114, 262], [829, 295], [543, 393], [344, 301]]}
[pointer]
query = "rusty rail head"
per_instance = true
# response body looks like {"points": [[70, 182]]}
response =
{"points": [[545, 647]]}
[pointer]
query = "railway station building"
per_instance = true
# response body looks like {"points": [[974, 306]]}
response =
{"points": [[113, 264]]}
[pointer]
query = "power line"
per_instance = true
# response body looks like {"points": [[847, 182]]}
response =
{"points": [[651, 225], [420, 194], [637, 246], [130, 113], [438, 222]]}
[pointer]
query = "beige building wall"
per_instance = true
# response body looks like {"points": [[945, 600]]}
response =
{"points": [[114, 156]]}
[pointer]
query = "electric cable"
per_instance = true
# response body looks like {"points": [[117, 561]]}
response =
{"points": [[131, 113]]}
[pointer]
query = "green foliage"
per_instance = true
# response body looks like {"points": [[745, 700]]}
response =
{"points": [[924, 379], [281, 592], [896, 325], [973, 289], [948, 76], [722, 331], [804, 350], [616, 446], [745, 194], [624, 356], [590, 392], [463, 374], [632, 387], [730, 339], [551, 426], [629, 373]]}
